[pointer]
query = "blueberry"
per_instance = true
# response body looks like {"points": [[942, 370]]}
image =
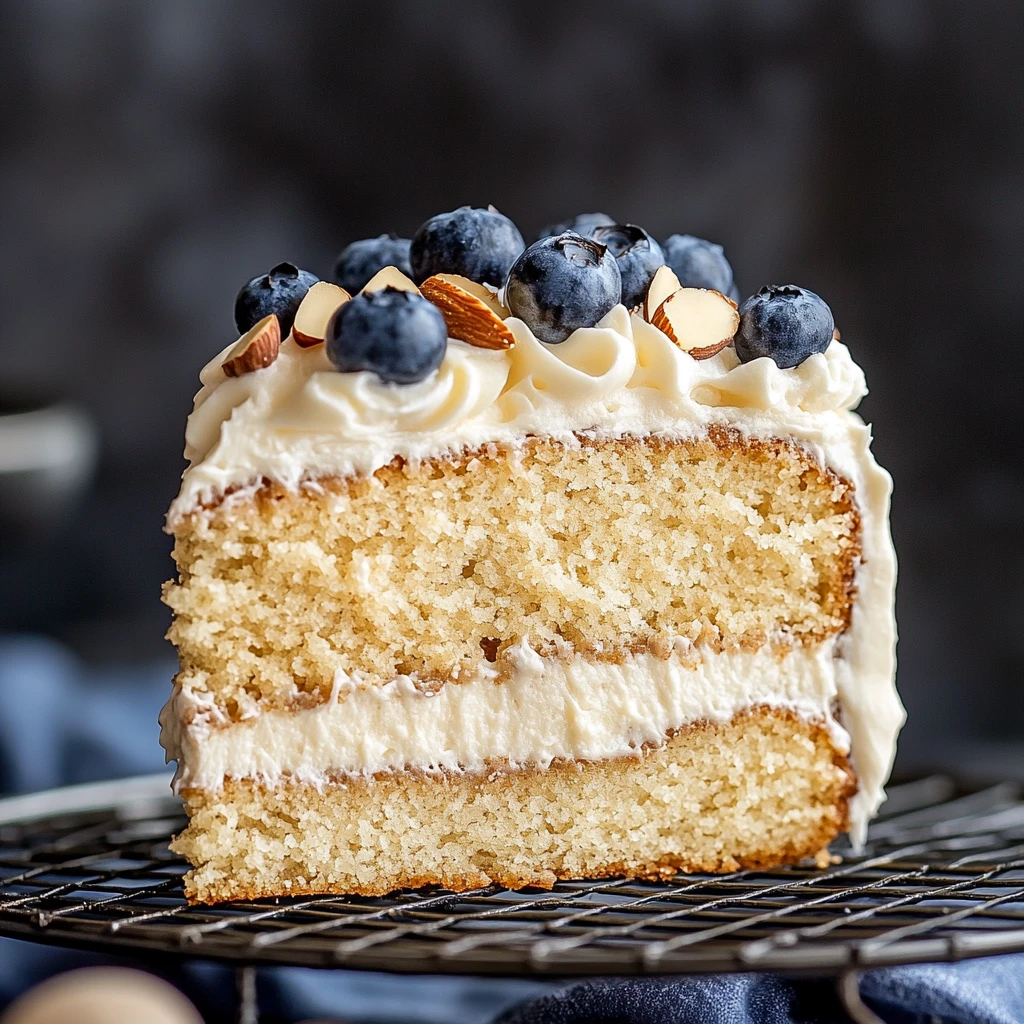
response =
{"points": [[398, 335], [562, 283], [582, 224], [478, 244], [278, 291], [700, 264], [785, 323], [637, 254], [359, 261]]}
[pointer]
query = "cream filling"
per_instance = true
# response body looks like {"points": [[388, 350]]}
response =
{"points": [[545, 709], [299, 419]]}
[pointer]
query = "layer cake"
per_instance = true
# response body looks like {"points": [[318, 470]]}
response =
{"points": [[508, 607]]}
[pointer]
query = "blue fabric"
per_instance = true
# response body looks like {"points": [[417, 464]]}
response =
{"points": [[64, 723], [989, 991], [712, 999]]}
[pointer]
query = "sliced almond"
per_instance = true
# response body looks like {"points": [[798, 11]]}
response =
{"points": [[469, 310], [700, 321], [662, 285], [390, 277], [255, 349], [481, 291], [315, 311], [836, 336]]}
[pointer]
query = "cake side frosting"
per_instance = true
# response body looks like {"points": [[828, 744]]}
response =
{"points": [[299, 419]]}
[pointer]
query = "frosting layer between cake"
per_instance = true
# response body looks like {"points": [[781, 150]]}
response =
{"points": [[546, 709]]}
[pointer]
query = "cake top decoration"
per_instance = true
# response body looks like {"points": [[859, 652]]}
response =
{"points": [[473, 266], [465, 335]]}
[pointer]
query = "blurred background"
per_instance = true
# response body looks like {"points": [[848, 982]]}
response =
{"points": [[157, 155]]}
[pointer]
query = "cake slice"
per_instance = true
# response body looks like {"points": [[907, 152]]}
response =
{"points": [[482, 586]]}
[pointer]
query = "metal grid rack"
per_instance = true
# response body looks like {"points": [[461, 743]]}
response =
{"points": [[942, 878]]}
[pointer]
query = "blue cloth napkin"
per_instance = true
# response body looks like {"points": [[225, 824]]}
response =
{"points": [[63, 722], [987, 991]]}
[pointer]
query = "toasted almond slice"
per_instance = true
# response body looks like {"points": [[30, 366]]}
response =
{"points": [[836, 336], [481, 291], [662, 285], [471, 316], [700, 321], [257, 348], [389, 277], [315, 311]]}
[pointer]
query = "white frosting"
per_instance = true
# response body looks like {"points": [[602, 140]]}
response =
{"points": [[299, 419], [547, 709]]}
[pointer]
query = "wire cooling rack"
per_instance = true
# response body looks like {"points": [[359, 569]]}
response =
{"points": [[942, 878]]}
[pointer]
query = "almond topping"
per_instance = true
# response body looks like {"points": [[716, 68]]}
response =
{"points": [[315, 311], [390, 277], [471, 312], [257, 348], [700, 321], [836, 336], [662, 285], [481, 291]]}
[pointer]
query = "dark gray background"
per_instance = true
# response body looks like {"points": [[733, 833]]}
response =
{"points": [[155, 155]]}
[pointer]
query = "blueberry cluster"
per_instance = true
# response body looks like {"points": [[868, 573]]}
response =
{"points": [[570, 277]]}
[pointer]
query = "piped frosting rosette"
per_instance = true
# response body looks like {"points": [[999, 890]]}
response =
{"points": [[359, 405], [591, 366]]}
